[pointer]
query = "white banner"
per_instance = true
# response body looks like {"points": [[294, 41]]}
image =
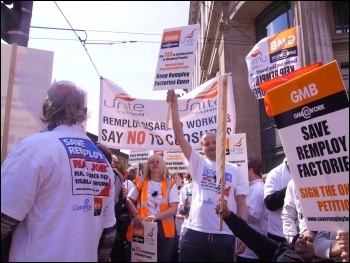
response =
{"points": [[174, 160], [272, 57], [138, 156], [176, 58], [139, 124]]}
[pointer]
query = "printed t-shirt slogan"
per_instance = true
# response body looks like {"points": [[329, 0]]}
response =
{"points": [[88, 166]]}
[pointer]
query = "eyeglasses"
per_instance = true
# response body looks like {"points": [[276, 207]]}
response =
{"points": [[155, 193]]}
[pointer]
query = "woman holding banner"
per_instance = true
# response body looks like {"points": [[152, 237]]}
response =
{"points": [[154, 198]]}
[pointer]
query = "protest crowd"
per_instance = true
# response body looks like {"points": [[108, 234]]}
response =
{"points": [[47, 216]]}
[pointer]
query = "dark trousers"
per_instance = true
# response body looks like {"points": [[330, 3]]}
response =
{"points": [[197, 246], [5, 248], [175, 253], [164, 245], [122, 248]]}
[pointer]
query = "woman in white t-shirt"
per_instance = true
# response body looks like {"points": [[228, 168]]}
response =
{"points": [[154, 198]]}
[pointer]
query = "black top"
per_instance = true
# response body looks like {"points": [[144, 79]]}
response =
{"points": [[266, 249]]}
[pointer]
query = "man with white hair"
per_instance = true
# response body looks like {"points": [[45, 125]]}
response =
{"points": [[56, 194]]}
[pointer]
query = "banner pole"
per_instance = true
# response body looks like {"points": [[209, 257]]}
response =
{"points": [[8, 103], [221, 139], [167, 117]]}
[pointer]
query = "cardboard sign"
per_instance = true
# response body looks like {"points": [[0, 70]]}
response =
{"points": [[176, 58], [144, 243], [312, 117]]}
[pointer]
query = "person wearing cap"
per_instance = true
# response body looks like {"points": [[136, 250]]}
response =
{"points": [[274, 193]]}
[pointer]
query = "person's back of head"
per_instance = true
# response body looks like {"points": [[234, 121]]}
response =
{"points": [[255, 164], [189, 178], [64, 104], [106, 152]]}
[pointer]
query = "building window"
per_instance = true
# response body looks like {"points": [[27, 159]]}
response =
{"points": [[275, 18], [341, 16]]}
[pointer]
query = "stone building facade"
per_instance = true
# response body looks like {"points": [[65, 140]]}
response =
{"points": [[230, 29]]}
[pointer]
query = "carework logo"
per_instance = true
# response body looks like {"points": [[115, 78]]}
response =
{"points": [[171, 39], [83, 207], [188, 39], [138, 234], [306, 112]]}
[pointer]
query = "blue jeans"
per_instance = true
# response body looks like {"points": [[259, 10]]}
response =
{"points": [[197, 246]]}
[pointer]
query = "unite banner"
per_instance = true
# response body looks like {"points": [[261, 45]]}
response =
{"points": [[272, 57], [139, 124]]}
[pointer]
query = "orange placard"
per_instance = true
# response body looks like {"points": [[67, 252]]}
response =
{"points": [[273, 83]]}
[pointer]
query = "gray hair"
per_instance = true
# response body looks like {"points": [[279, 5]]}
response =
{"points": [[64, 103]]}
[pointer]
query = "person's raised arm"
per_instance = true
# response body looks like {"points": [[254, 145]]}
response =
{"points": [[177, 127]]}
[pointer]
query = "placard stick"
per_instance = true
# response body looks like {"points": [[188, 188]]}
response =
{"points": [[167, 117], [221, 139], [8, 103]]}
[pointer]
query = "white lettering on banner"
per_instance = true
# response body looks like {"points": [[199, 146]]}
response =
{"points": [[277, 44], [304, 93], [120, 128]]}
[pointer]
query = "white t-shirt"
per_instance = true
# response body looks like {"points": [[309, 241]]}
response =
{"points": [[155, 201], [186, 193], [58, 184], [256, 212], [206, 193], [276, 180], [292, 217]]}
